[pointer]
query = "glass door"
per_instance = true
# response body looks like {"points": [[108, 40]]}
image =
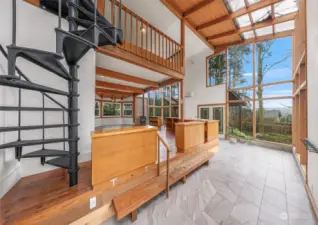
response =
{"points": [[213, 113]]}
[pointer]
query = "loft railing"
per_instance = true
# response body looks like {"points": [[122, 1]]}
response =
{"points": [[143, 39], [160, 138]]}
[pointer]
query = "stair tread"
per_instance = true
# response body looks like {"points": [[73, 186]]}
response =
{"points": [[62, 162], [32, 142], [32, 127], [45, 153], [136, 197], [29, 85], [14, 108], [47, 60]]}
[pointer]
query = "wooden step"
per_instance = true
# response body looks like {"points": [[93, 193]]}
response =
{"points": [[131, 200]]}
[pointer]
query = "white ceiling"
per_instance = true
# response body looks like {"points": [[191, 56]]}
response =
{"points": [[121, 66]]}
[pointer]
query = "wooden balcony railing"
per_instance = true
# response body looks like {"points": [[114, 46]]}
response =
{"points": [[143, 39]]}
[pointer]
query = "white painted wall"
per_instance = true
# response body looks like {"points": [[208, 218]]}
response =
{"points": [[35, 29], [312, 68], [195, 81]]}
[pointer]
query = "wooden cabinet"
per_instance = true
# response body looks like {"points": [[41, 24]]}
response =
{"points": [[170, 122], [189, 134], [211, 128], [155, 121], [118, 152]]}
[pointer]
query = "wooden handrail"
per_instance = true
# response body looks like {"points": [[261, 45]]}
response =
{"points": [[160, 138], [138, 34]]}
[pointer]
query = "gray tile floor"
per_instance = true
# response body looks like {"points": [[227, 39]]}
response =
{"points": [[242, 185]]}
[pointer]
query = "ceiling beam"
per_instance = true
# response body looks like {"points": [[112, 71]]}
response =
{"points": [[173, 8], [241, 12], [268, 22], [110, 95], [107, 91], [121, 76], [258, 39], [118, 87], [197, 7], [163, 84]]}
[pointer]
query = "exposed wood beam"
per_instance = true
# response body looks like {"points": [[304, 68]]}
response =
{"points": [[125, 77], [139, 61], [258, 39], [110, 95], [238, 13], [107, 91], [118, 87], [173, 8], [268, 22], [163, 84], [197, 7]]}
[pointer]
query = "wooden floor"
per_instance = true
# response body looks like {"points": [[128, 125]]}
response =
{"points": [[46, 198]]}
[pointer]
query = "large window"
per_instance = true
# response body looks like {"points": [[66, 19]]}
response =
{"points": [[216, 69], [165, 101], [264, 95], [111, 109]]}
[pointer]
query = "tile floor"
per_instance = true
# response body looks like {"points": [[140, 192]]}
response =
{"points": [[242, 185]]}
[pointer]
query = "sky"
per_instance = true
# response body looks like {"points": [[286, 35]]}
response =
{"points": [[280, 49]]}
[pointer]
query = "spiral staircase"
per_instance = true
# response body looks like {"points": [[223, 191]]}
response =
{"points": [[71, 46]]}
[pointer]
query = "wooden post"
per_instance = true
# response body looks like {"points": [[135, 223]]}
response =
{"points": [[254, 95], [226, 93], [158, 147], [182, 99], [167, 181], [101, 6], [134, 215], [134, 108]]}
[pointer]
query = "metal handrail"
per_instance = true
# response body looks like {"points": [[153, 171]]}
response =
{"points": [[309, 145], [160, 138]]}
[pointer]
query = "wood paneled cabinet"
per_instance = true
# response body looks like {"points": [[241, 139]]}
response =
{"points": [[170, 122], [155, 121]]}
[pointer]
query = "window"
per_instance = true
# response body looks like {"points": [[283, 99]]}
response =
{"points": [[151, 113], [240, 66], [127, 109], [157, 111], [158, 97], [271, 95], [97, 109], [151, 97], [111, 109], [216, 73], [174, 111]]}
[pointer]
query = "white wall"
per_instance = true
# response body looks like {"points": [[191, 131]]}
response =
{"points": [[312, 68], [35, 29], [195, 81]]}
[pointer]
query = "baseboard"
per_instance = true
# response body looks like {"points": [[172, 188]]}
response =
{"points": [[10, 175]]}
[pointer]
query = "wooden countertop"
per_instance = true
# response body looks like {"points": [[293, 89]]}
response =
{"points": [[124, 130], [189, 123]]}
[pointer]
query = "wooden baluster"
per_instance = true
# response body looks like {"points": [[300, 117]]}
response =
{"points": [[163, 50], [175, 52], [158, 147], [172, 55], [125, 31], [169, 54], [112, 12], [150, 43], [159, 49], [119, 16], [137, 35], [146, 41], [155, 45], [142, 39], [131, 32], [166, 52]]}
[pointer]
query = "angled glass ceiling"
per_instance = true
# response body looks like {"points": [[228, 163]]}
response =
{"points": [[279, 9]]}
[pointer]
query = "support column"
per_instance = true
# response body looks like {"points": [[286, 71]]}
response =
{"points": [[134, 109], [182, 99]]}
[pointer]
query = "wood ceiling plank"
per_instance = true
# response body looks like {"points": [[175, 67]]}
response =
{"points": [[241, 12], [108, 91], [118, 87], [125, 77], [197, 7]]}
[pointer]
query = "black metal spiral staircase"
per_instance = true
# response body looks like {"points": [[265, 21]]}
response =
{"points": [[71, 45]]}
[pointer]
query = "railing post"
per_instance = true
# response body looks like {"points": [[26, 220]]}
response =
{"points": [[158, 159], [167, 184]]}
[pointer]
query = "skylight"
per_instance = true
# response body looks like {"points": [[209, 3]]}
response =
{"points": [[243, 21], [235, 5], [289, 25], [261, 14], [248, 34], [264, 31], [285, 7]]}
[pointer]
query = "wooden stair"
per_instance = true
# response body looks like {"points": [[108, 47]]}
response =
{"points": [[129, 202]]}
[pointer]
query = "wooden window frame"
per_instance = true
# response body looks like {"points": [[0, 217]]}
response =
{"points": [[115, 116], [123, 109], [207, 69]]}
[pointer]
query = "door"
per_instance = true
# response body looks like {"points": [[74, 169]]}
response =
{"points": [[213, 113]]}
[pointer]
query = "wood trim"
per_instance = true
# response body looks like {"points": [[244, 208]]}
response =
{"points": [[163, 84], [258, 39], [197, 7], [249, 9], [104, 84], [136, 60], [261, 85], [101, 6], [102, 90], [125, 77], [265, 23]]}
